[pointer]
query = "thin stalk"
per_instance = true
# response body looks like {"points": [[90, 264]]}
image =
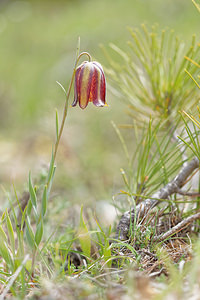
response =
{"points": [[64, 114], [33, 262], [66, 103]]}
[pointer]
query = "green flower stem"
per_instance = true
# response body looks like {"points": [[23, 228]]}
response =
{"points": [[64, 114], [66, 104], [84, 53]]}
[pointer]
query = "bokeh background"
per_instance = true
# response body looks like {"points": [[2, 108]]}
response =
{"points": [[38, 45]]}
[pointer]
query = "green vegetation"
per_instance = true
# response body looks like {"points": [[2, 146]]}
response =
{"points": [[140, 155]]}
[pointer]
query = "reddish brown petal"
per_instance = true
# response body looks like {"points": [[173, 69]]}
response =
{"points": [[76, 86], [94, 86], [100, 101], [85, 84], [98, 65], [103, 88]]}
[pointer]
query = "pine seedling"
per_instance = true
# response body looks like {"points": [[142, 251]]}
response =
{"points": [[150, 77]]}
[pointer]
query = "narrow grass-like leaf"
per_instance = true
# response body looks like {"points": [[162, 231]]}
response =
{"points": [[84, 236], [12, 207], [51, 168], [10, 233], [30, 234], [4, 249], [24, 214], [44, 201], [106, 250], [51, 181], [29, 207], [3, 216], [3, 235], [4, 252], [123, 173], [39, 231], [21, 243], [107, 254], [122, 244], [13, 278], [33, 196], [57, 129], [62, 87]]}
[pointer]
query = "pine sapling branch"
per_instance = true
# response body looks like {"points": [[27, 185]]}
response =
{"points": [[142, 208]]}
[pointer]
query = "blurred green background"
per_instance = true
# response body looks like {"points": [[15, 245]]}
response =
{"points": [[38, 45]]}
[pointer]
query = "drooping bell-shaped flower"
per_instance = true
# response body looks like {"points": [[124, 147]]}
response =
{"points": [[90, 85]]}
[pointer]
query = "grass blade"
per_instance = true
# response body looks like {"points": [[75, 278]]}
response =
{"points": [[39, 232], [10, 233], [84, 236], [44, 201], [33, 196]]}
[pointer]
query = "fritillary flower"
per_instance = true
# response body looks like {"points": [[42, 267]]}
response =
{"points": [[90, 85]]}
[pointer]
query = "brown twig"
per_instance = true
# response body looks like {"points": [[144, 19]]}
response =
{"points": [[183, 193], [180, 226], [171, 188]]}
